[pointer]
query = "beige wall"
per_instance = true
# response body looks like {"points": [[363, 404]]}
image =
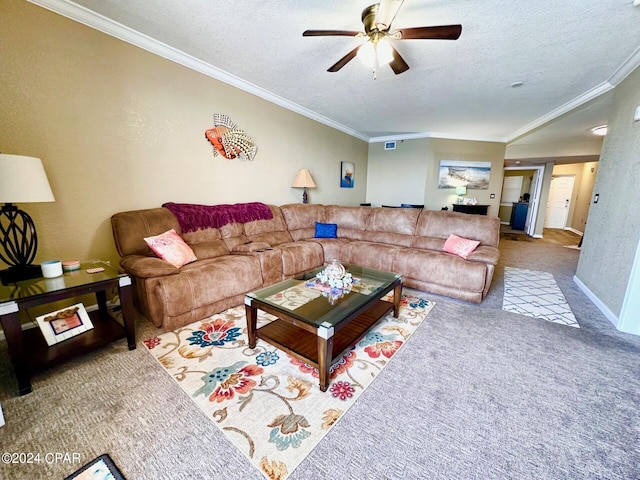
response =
{"points": [[409, 174], [119, 128], [613, 226], [445, 149], [397, 176]]}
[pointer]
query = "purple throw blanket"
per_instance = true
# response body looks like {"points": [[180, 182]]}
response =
{"points": [[192, 217]]}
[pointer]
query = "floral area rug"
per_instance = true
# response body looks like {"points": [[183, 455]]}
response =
{"points": [[266, 402]]}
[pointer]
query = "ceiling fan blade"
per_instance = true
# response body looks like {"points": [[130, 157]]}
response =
{"points": [[344, 60], [443, 32], [387, 11], [329, 33], [398, 65]]}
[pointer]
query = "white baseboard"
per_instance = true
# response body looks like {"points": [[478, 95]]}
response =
{"points": [[597, 302], [577, 232]]}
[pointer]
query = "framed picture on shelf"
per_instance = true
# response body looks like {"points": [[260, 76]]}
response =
{"points": [[64, 323], [347, 174]]}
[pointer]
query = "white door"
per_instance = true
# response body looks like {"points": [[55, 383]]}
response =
{"points": [[559, 201]]}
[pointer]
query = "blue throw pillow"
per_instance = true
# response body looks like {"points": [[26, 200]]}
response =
{"points": [[326, 230]]}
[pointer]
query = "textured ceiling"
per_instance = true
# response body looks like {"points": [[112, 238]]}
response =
{"points": [[568, 55]]}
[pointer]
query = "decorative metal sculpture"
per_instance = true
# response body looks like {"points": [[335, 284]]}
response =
{"points": [[229, 141]]}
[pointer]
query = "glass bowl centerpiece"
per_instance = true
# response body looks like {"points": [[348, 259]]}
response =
{"points": [[334, 281]]}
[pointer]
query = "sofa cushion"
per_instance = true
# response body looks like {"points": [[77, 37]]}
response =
{"points": [[273, 231], [172, 248], [442, 269], [208, 281], [352, 221], [251, 247], [298, 257], [399, 220], [302, 215], [206, 243], [439, 224], [301, 219], [233, 234], [369, 254], [129, 229], [275, 224], [332, 247]]}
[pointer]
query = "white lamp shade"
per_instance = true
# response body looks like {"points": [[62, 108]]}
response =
{"points": [[461, 190], [23, 180], [303, 179]]}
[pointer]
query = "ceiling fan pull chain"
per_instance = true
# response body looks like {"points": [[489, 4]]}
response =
{"points": [[375, 61]]}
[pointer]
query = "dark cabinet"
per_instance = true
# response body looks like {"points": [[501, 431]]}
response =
{"points": [[473, 209], [519, 215]]}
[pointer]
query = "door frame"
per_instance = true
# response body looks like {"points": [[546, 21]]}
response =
{"points": [[534, 201]]}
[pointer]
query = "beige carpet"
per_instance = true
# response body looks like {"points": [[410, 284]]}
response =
{"points": [[267, 403]]}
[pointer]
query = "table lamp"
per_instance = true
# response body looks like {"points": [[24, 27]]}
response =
{"points": [[304, 180], [22, 180], [460, 191]]}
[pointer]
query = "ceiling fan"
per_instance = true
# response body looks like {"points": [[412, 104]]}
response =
{"points": [[377, 20]]}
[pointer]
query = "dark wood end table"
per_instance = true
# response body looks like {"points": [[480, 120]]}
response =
{"points": [[27, 348]]}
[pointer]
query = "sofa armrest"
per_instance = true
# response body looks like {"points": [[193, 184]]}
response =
{"points": [[485, 254], [141, 266]]}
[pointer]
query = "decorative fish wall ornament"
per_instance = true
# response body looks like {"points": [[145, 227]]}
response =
{"points": [[229, 141]]}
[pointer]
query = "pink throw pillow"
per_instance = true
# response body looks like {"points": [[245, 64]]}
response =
{"points": [[460, 246], [170, 247]]}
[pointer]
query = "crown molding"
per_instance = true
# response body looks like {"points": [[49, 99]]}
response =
{"points": [[561, 110], [446, 136], [110, 27], [105, 25], [629, 65]]}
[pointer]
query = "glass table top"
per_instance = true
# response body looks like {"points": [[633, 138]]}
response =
{"points": [[40, 286], [307, 300]]}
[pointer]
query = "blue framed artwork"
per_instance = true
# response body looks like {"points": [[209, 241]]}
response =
{"points": [[347, 174]]}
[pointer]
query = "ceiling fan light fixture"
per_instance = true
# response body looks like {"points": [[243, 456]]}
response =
{"points": [[600, 130], [367, 54], [384, 51], [381, 50]]}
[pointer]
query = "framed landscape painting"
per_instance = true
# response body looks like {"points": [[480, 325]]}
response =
{"points": [[463, 173]]}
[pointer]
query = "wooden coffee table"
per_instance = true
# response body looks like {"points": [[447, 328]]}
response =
{"points": [[315, 328]]}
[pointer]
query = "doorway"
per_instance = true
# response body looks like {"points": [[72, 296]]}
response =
{"points": [[535, 189], [559, 202]]}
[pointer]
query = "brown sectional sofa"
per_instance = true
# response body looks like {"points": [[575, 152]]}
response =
{"points": [[239, 257]]}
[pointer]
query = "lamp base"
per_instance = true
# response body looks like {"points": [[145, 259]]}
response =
{"points": [[18, 273]]}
